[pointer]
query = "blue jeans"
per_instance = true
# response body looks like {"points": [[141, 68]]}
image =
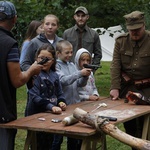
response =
{"points": [[7, 138], [44, 140], [73, 144], [57, 141]]}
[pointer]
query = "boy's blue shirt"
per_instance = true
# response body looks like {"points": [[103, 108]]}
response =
{"points": [[70, 79]]}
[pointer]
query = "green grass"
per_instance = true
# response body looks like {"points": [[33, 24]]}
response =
{"points": [[102, 78]]}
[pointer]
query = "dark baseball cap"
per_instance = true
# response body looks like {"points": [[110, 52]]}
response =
{"points": [[8, 9], [83, 9], [134, 20]]}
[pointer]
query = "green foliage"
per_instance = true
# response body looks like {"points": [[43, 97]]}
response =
{"points": [[102, 79], [103, 13], [21, 100]]}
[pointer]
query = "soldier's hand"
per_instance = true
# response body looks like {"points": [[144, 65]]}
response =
{"points": [[114, 94]]}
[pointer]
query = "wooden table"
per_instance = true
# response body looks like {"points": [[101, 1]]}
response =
{"points": [[123, 111]]}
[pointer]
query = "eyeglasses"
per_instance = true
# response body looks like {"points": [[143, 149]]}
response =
{"points": [[42, 58]]}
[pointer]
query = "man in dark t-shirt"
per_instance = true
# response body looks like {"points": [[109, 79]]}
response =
{"points": [[11, 76]]}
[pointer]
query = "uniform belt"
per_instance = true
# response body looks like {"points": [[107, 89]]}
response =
{"points": [[140, 84], [144, 81]]}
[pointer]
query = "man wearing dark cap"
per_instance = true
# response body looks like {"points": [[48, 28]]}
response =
{"points": [[11, 76], [131, 63], [81, 36]]}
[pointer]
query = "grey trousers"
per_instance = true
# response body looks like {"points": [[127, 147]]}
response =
{"points": [[7, 138]]}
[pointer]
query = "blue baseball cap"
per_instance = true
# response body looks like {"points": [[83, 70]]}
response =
{"points": [[8, 9]]}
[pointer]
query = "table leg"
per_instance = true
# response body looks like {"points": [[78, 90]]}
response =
{"points": [[146, 127], [30, 140], [86, 144], [91, 142], [104, 145], [148, 137]]}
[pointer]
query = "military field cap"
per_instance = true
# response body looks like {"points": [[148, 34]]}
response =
{"points": [[83, 9], [8, 9], [134, 20]]}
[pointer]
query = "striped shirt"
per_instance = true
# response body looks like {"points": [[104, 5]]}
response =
{"points": [[13, 55]]}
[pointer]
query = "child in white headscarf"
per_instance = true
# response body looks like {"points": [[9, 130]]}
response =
{"points": [[88, 92]]}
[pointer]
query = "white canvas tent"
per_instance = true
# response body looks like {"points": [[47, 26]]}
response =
{"points": [[108, 40]]}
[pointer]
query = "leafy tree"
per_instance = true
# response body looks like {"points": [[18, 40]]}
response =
{"points": [[103, 13]]}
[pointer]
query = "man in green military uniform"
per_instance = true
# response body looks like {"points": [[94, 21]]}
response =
{"points": [[131, 65]]}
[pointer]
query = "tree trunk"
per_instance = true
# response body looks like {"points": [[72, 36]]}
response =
{"points": [[103, 125]]}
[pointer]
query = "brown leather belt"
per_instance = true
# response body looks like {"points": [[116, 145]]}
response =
{"points": [[140, 84]]}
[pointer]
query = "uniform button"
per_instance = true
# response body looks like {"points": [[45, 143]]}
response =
{"points": [[134, 64], [133, 70], [145, 54], [136, 53]]}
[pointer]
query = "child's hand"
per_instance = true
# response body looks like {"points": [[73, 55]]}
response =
{"points": [[56, 110], [93, 98], [86, 72], [62, 105]]}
